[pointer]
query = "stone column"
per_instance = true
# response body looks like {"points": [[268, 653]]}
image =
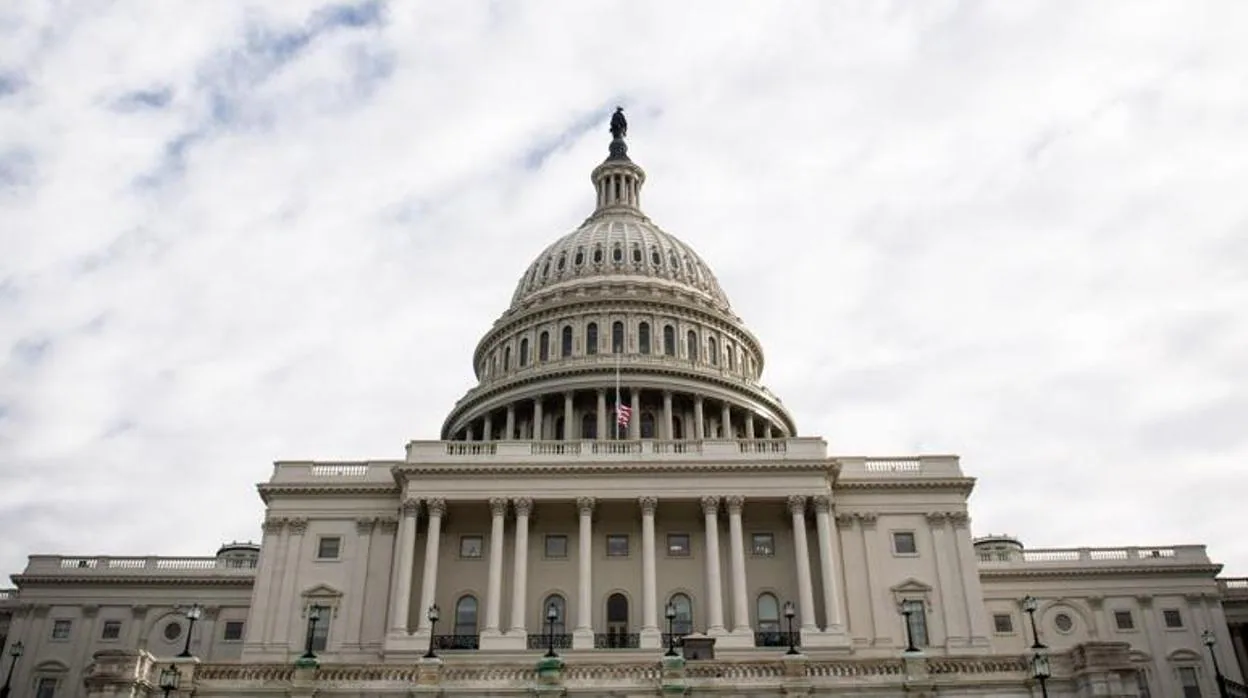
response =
{"points": [[725, 421], [805, 589], [520, 572], [538, 434], [957, 630], [429, 583], [364, 527], [1241, 647], [829, 555], [404, 557], [668, 431], [584, 606], [569, 424], [736, 542], [749, 425], [468, 436], [602, 414], [488, 430], [649, 574], [494, 588], [766, 430], [714, 582], [510, 426], [634, 422], [699, 431]]}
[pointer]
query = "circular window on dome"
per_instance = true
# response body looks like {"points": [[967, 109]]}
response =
{"points": [[597, 255], [617, 254], [1063, 622], [655, 258], [579, 259], [563, 261], [173, 631]]}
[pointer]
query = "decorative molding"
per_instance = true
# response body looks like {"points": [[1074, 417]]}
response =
{"points": [[273, 525], [388, 524], [990, 572], [211, 612], [90, 610], [585, 505], [823, 503], [410, 507], [960, 519], [1096, 601], [937, 519], [1144, 600], [326, 489], [138, 610], [523, 506], [365, 525], [625, 466], [710, 505], [797, 504], [866, 519], [962, 486], [735, 504], [298, 525], [498, 506], [649, 505], [845, 520], [436, 506]]}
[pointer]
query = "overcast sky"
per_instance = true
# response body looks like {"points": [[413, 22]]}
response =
{"points": [[240, 232]]}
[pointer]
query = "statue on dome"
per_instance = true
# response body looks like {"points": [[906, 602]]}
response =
{"points": [[619, 125]]}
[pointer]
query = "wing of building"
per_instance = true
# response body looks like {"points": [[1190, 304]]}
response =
{"points": [[621, 507]]}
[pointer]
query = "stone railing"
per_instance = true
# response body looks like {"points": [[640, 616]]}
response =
{"points": [[111, 566], [8, 594], [1234, 587], [1096, 557], [610, 450], [857, 468]]}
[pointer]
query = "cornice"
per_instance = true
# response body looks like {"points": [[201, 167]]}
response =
{"points": [[962, 485], [381, 489], [130, 580], [598, 468], [1107, 571]]}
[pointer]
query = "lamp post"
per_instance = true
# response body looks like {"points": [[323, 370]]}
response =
{"points": [[192, 614], [1030, 605], [789, 612], [552, 614], [432, 614], [1210, 640], [170, 679], [670, 612], [15, 652], [906, 611], [1041, 671], [314, 615]]}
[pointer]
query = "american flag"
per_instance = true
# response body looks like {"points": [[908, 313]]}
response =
{"points": [[622, 414]]}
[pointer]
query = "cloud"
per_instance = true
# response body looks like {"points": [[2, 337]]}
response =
{"points": [[255, 231]]}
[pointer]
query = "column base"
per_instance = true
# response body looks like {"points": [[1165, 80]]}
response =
{"points": [[833, 638], [582, 639], [405, 645], [512, 641], [650, 639], [736, 639]]}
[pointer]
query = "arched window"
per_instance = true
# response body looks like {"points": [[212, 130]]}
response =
{"points": [[730, 356], [692, 341], [507, 358], [617, 614], [524, 352], [712, 353], [918, 620], [543, 347], [466, 616], [565, 347], [683, 623], [643, 338], [617, 337], [591, 338], [560, 624], [647, 425], [589, 426], [770, 633], [669, 340], [559, 435]]}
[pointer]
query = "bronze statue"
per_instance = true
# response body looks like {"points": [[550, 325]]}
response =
{"points": [[619, 125]]}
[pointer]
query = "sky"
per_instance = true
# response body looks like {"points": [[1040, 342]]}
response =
{"points": [[239, 232]]}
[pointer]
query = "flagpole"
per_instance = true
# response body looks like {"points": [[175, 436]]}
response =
{"points": [[617, 394]]}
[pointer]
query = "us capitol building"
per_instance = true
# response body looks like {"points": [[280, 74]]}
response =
{"points": [[621, 508]]}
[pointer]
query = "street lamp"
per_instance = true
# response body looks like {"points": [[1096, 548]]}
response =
{"points": [[789, 611], [1210, 640], [432, 614], [552, 615], [170, 679], [15, 651], [192, 614], [906, 611], [1041, 671], [314, 615], [670, 612], [1030, 605]]}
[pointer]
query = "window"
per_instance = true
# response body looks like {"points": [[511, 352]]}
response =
{"points": [[763, 544], [597, 255], [617, 254], [655, 258], [46, 688], [617, 545], [1124, 620], [591, 338], [712, 353], [470, 547], [617, 338], [678, 545], [1003, 622], [683, 623], [768, 607], [563, 261], [579, 259], [524, 352], [1063, 622], [565, 342], [1190, 682], [555, 601], [1141, 682], [543, 347], [466, 616], [643, 338], [173, 631], [556, 546], [1172, 617], [61, 629], [320, 631], [904, 544], [507, 358], [111, 630], [918, 622], [328, 548], [589, 426], [636, 255], [647, 425], [669, 341], [233, 631], [730, 356], [692, 340]]}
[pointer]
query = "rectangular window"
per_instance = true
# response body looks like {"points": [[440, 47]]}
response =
{"points": [[918, 622], [328, 548], [320, 633], [617, 545], [1173, 618], [904, 543], [763, 544], [678, 545], [111, 630], [1124, 620], [1003, 622], [1190, 682], [233, 631], [556, 546], [46, 688], [471, 547], [1141, 680], [61, 629]]}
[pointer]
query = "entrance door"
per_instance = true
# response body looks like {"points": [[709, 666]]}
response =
{"points": [[617, 620]]}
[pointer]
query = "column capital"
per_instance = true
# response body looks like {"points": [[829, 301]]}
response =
{"points": [[274, 525], [648, 505], [388, 524], [522, 505], [498, 506], [866, 518], [364, 525], [734, 503], [845, 520], [710, 505], [959, 519], [436, 506], [410, 506], [298, 525], [585, 505], [1144, 600], [823, 503], [797, 504], [937, 518]]}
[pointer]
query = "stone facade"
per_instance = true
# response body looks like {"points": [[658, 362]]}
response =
{"points": [[620, 507]]}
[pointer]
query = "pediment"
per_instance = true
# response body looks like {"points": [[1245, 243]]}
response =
{"points": [[911, 586], [1184, 655], [322, 591]]}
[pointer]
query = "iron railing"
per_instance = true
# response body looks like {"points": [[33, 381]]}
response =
{"points": [[542, 641], [617, 641], [457, 642], [776, 638]]}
